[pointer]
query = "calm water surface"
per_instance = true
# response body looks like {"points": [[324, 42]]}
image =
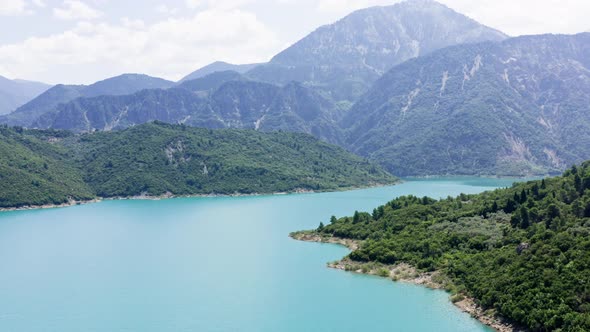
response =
{"points": [[208, 264]]}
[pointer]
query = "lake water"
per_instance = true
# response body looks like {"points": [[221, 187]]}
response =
{"points": [[208, 264]]}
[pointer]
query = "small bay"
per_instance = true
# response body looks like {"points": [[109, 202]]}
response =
{"points": [[209, 264]]}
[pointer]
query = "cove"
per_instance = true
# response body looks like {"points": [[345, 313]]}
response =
{"points": [[209, 264]]}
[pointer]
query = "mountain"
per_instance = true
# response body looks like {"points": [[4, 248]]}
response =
{"points": [[125, 84], [217, 67], [211, 82], [55, 167], [46, 102], [59, 94], [235, 104], [517, 107], [346, 57], [519, 253], [14, 93]]}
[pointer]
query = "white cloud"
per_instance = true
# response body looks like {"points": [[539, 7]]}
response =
{"points": [[13, 8], [346, 6], [164, 9], [220, 4], [39, 3], [169, 48], [527, 16], [76, 10], [192, 4]]}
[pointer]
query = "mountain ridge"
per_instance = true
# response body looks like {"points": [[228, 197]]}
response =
{"points": [[218, 66], [17, 92], [346, 57], [61, 93], [472, 108]]}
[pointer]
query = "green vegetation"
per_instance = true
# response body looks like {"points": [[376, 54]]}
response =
{"points": [[33, 172], [54, 167], [523, 252]]}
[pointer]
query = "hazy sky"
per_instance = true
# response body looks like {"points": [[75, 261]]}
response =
{"points": [[82, 41]]}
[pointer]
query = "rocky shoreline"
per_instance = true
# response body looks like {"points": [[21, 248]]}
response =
{"points": [[404, 272], [51, 206]]}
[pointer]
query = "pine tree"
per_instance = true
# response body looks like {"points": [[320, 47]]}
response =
{"points": [[524, 218], [356, 218], [523, 197]]}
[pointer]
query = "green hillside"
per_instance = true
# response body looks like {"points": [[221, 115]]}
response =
{"points": [[522, 252], [43, 167], [33, 172]]}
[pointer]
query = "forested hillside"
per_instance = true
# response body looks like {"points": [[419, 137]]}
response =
{"points": [[523, 252], [34, 172], [54, 167]]}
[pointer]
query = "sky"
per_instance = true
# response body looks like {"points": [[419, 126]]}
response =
{"points": [[83, 41]]}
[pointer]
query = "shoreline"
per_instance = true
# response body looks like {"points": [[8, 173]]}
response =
{"points": [[482, 176], [406, 273], [169, 195]]}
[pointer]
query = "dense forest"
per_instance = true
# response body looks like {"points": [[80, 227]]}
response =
{"points": [[522, 252], [40, 167]]}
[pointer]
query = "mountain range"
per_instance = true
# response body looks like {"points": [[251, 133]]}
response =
{"points": [[218, 66], [15, 93], [415, 87], [233, 104], [521, 106], [59, 94], [345, 58]]}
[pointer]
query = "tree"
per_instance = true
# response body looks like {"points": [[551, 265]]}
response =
{"points": [[333, 219], [587, 210], [321, 227], [516, 198], [536, 190], [553, 211], [356, 218], [524, 218], [510, 206], [523, 196], [495, 206], [578, 184]]}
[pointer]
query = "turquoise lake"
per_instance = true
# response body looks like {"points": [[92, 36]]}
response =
{"points": [[209, 264]]}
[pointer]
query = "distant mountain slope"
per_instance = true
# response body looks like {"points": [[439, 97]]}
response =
{"points": [[344, 58], [517, 107], [235, 104], [125, 84], [54, 167], [210, 82], [46, 102], [15, 93], [59, 94], [217, 67]]}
